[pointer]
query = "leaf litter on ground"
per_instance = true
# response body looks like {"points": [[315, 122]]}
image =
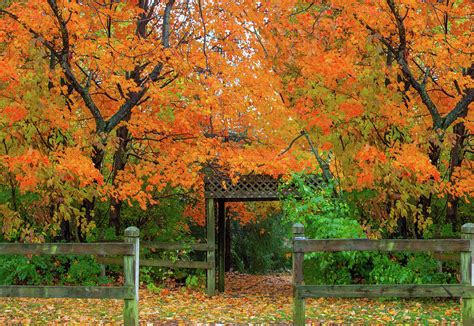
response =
{"points": [[248, 299]]}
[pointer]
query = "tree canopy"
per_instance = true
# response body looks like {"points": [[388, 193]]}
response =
{"points": [[128, 102]]}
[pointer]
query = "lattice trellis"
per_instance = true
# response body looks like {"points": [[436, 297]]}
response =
{"points": [[252, 187]]}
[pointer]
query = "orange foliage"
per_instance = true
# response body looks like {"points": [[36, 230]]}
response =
{"points": [[410, 162], [14, 114], [203, 85]]}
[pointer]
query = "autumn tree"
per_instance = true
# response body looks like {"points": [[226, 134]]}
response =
{"points": [[384, 89], [136, 97], [129, 101]]}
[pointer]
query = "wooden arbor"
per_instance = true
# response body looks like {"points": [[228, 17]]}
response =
{"points": [[219, 189]]}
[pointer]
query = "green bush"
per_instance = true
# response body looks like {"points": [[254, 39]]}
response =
{"points": [[326, 217], [46, 270], [85, 271], [388, 271], [404, 268], [259, 247], [163, 222]]}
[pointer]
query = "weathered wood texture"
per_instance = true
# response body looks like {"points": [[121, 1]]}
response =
{"points": [[159, 263], [395, 290], [130, 310], [66, 249], [211, 239], [442, 256], [334, 245], [90, 292], [465, 290], [298, 278], [467, 307], [178, 246], [129, 292], [177, 264]]}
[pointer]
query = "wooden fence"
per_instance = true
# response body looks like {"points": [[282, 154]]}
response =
{"points": [[129, 292], [207, 265], [465, 290]]}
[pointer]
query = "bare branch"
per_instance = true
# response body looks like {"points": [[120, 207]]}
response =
{"points": [[291, 144]]}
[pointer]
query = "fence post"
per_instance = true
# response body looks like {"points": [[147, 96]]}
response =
{"points": [[211, 239], [131, 275], [467, 277], [298, 279]]}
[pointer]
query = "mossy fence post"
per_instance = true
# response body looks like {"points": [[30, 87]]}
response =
{"points": [[131, 276], [298, 278], [467, 274]]}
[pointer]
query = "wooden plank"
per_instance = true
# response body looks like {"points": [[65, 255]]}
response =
{"points": [[130, 271], [177, 264], [66, 249], [178, 246], [467, 277], [89, 292], [334, 245], [447, 256], [298, 278], [385, 290], [159, 263]]}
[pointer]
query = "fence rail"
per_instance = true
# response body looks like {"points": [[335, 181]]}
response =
{"points": [[66, 249], [465, 290], [208, 264], [335, 245], [160, 263], [129, 292], [377, 291], [82, 292], [178, 246], [168, 263]]}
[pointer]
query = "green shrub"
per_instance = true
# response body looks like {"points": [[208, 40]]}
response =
{"points": [[17, 270], [326, 217], [259, 247], [388, 271], [163, 222], [47, 270], [85, 271], [404, 268]]}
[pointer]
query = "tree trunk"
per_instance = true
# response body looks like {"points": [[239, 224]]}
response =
{"points": [[120, 161], [115, 213], [456, 161], [97, 159], [425, 201]]}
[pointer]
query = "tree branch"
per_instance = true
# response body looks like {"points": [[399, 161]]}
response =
{"points": [[67, 69], [461, 107], [291, 144], [399, 54], [327, 175]]}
